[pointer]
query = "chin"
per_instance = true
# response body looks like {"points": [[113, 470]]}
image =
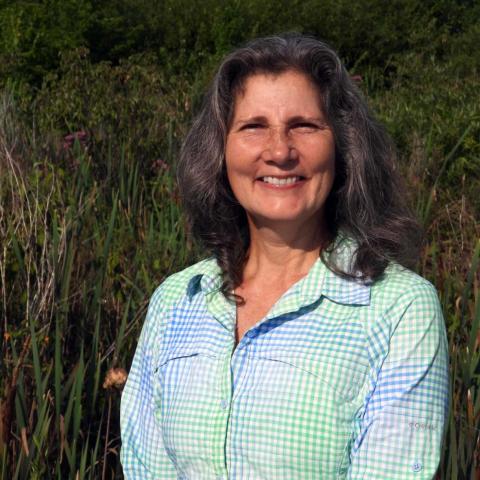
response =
{"points": [[280, 217]]}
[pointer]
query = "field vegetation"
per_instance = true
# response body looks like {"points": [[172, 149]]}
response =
{"points": [[95, 98]]}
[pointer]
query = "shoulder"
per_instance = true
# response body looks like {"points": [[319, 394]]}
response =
{"points": [[400, 282], [397, 285], [176, 286], [171, 292], [402, 295]]}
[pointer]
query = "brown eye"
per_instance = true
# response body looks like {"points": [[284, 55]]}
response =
{"points": [[305, 126], [252, 126]]}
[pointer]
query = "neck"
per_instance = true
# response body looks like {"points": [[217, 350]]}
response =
{"points": [[283, 252]]}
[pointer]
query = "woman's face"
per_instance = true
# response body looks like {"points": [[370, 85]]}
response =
{"points": [[280, 151]]}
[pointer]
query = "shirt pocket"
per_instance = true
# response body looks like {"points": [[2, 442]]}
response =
{"points": [[184, 380], [341, 377], [183, 373]]}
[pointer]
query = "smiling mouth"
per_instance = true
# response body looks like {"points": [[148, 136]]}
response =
{"points": [[281, 181]]}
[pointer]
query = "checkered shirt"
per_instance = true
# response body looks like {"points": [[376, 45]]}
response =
{"points": [[341, 380]]}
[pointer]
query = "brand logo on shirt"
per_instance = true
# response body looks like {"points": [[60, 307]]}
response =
{"points": [[422, 426]]}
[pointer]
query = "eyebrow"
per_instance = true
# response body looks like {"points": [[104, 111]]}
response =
{"points": [[295, 119], [259, 119], [301, 118]]}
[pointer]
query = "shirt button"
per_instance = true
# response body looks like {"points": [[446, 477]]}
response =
{"points": [[417, 466], [224, 405]]}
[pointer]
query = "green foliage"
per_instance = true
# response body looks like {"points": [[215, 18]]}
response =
{"points": [[33, 34], [127, 101], [81, 249], [96, 99], [190, 35], [428, 96]]}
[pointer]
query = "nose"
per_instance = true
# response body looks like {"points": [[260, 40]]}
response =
{"points": [[279, 148]]}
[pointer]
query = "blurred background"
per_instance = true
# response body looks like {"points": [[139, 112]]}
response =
{"points": [[95, 98]]}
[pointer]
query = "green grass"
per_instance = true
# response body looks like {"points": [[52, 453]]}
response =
{"points": [[88, 230]]}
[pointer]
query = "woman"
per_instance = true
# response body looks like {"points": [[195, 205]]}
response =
{"points": [[303, 349]]}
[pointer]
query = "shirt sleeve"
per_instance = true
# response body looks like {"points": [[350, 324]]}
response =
{"points": [[400, 433], [143, 454]]}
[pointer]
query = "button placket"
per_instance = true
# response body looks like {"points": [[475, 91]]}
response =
{"points": [[221, 417]]}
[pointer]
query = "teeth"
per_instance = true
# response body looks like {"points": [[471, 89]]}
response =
{"points": [[280, 181]]}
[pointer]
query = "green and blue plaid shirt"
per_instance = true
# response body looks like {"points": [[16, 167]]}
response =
{"points": [[341, 380]]}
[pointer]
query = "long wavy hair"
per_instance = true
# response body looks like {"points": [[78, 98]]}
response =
{"points": [[368, 200]]}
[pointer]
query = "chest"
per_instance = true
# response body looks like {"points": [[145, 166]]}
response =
{"points": [[285, 398]]}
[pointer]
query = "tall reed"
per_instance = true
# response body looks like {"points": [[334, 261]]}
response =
{"points": [[90, 224]]}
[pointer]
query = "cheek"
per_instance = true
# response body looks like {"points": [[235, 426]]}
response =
{"points": [[237, 164], [327, 162], [330, 166], [240, 184], [328, 175], [236, 178]]}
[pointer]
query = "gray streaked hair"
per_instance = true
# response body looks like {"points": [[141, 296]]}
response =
{"points": [[367, 201]]}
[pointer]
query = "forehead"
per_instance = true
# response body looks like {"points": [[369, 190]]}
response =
{"points": [[265, 90]]}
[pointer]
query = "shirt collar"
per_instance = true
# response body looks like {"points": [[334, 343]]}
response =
{"points": [[319, 281], [344, 290], [207, 278]]}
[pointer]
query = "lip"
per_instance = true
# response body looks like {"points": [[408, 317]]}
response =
{"points": [[287, 186]]}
